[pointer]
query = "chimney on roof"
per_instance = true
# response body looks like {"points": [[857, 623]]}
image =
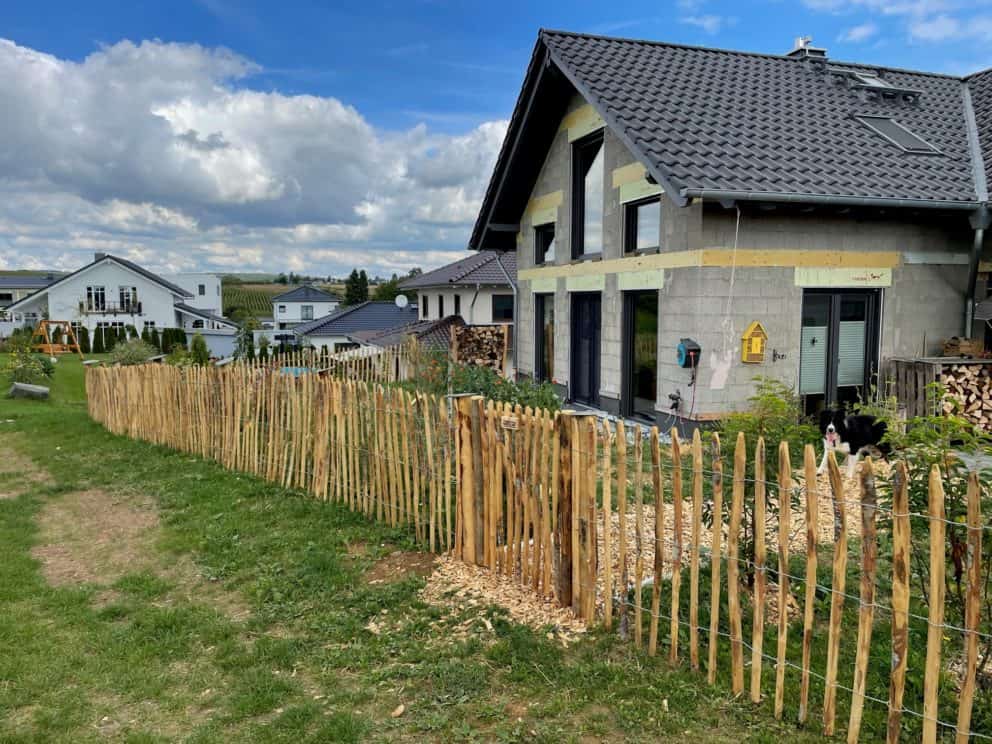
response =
{"points": [[803, 49], [98, 256]]}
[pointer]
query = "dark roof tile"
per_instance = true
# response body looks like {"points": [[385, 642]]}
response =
{"points": [[368, 316], [479, 268]]}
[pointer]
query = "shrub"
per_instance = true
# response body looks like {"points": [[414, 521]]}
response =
{"points": [[109, 337], [263, 347], [98, 346], [83, 337], [156, 341], [775, 413], [179, 357], [131, 352], [25, 367], [199, 351], [132, 333]]}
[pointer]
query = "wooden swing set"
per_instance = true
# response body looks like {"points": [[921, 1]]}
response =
{"points": [[45, 343]]}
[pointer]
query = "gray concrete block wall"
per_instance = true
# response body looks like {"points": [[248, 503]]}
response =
{"points": [[924, 306]]}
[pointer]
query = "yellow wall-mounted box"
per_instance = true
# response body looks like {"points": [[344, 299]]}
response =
{"points": [[753, 344]]}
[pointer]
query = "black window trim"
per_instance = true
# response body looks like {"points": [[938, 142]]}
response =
{"points": [[928, 148], [540, 248], [540, 298], [578, 187], [513, 309], [630, 226]]}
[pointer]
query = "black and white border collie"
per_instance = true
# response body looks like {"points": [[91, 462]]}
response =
{"points": [[850, 435]]}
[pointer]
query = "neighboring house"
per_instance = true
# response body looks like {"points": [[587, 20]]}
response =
{"points": [[655, 192], [114, 292], [479, 289], [14, 288], [429, 334], [337, 331], [205, 288], [301, 305]]}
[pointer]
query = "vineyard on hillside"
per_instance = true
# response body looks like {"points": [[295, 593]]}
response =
{"points": [[256, 299]]}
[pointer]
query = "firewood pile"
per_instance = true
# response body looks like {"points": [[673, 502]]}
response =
{"points": [[481, 345], [970, 385]]}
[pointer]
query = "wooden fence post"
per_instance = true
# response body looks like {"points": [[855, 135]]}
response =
{"points": [[935, 621], [837, 598], [465, 494], [563, 527], [812, 537], [733, 582], [900, 600], [973, 603]]}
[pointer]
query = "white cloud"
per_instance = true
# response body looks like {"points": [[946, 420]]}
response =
{"points": [[160, 149], [710, 23], [859, 33]]}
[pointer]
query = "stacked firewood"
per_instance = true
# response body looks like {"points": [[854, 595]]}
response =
{"points": [[481, 345], [970, 385]]}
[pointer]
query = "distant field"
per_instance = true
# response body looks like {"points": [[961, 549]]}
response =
{"points": [[256, 299]]}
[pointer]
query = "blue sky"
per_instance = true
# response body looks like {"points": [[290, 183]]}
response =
{"points": [[227, 135]]}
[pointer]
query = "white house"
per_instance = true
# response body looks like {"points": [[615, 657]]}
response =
{"points": [[205, 289], [114, 292], [301, 305], [14, 288], [479, 289]]}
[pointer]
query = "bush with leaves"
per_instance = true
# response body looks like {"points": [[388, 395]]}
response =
{"points": [[198, 350], [131, 352], [263, 347], [83, 338], [774, 412], [154, 339], [25, 367]]}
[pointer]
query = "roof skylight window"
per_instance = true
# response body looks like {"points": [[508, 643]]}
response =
{"points": [[898, 135]]}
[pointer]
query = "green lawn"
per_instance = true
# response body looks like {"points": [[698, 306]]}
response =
{"points": [[147, 595]]}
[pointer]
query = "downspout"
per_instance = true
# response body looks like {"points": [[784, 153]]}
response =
{"points": [[979, 221], [980, 217], [471, 305], [516, 310]]}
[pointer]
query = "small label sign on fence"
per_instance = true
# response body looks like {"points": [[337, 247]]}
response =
{"points": [[509, 422]]}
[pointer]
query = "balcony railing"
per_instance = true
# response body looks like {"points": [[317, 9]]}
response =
{"points": [[110, 308]]}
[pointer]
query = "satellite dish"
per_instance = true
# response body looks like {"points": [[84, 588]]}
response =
{"points": [[401, 301]]}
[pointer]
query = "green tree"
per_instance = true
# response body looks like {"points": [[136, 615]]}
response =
{"points": [[199, 350], [83, 339], [155, 339], [363, 286], [145, 335], [263, 347], [244, 346], [98, 347], [109, 337], [388, 290]]}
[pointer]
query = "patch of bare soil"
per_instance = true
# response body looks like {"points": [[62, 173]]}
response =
{"points": [[399, 565], [93, 537], [456, 586], [18, 473], [116, 717]]}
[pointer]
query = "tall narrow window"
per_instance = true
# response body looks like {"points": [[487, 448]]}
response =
{"points": [[544, 311], [96, 299], [642, 226], [127, 298], [440, 306], [423, 307], [544, 244], [587, 196], [306, 312], [458, 304], [202, 289]]}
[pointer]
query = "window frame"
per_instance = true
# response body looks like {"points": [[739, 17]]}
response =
{"points": [[630, 232], [458, 304], [580, 150], [425, 306], [92, 292], [496, 297], [541, 243], [305, 310], [201, 289], [440, 305], [540, 305]]}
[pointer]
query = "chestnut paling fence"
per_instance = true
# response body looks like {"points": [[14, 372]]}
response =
{"points": [[680, 546]]}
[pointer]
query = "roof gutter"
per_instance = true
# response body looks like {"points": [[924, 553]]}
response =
{"points": [[516, 306], [980, 218], [849, 201]]}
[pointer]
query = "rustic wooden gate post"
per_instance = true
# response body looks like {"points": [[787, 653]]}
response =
{"points": [[465, 546], [563, 528]]}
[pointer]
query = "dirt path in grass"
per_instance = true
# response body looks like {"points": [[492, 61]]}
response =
{"points": [[18, 474], [97, 537]]}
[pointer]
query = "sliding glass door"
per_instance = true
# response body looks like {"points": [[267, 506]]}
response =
{"points": [[839, 346]]}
